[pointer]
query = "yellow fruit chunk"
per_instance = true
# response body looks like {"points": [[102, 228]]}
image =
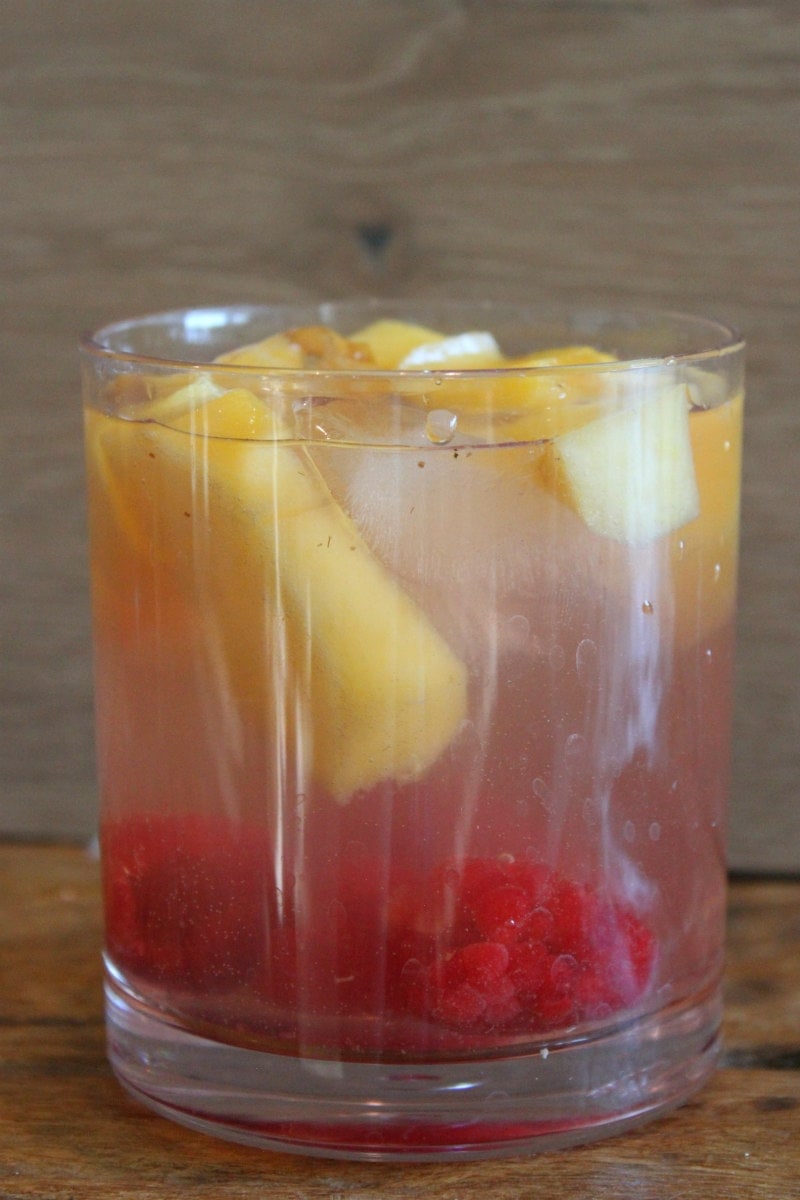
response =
{"points": [[390, 340], [705, 552], [309, 347], [289, 592], [530, 398], [277, 351], [563, 356], [542, 399], [630, 474], [109, 491], [167, 405]]}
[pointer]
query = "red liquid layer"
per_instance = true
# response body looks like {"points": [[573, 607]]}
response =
{"points": [[449, 961]]}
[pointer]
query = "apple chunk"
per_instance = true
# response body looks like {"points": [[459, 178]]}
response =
{"points": [[630, 475]]}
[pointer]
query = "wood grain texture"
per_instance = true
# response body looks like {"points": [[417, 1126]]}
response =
{"points": [[68, 1130], [156, 155]]}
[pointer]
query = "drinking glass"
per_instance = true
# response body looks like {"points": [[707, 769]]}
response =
{"points": [[413, 639]]}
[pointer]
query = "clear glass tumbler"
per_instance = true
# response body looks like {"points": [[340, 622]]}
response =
{"points": [[414, 635]]}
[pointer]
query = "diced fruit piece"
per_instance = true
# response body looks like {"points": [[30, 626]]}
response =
{"points": [[705, 552], [309, 347], [630, 475], [184, 897], [538, 399], [168, 404], [562, 356], [391, 340], [370, 675], [463, 351], [276, 352], [500, 912], [526, 950]]}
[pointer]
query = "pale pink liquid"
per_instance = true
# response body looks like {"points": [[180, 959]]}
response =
{"points": [[596, 743]]}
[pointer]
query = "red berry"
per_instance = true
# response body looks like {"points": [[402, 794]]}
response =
{"points": [[502, 1004], [479, 875], [539, 925], [570, 904], [555, 1011], [535, 879], [500, 913], [181, 901], [461, 1006], [528, 967], [480, 964], [641, 945]]}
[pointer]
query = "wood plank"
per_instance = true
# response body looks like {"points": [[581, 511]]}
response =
{"points": [[158, 155]]}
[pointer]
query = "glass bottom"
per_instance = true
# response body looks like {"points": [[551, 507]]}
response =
{"points": [[566, 1094]]}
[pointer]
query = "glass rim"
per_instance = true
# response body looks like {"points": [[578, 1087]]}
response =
{"points": [[95, 344]]}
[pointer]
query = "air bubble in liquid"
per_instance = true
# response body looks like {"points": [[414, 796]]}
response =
{"points": [[557, 658], [519, 627], [574, 747], [586, 661], [440, 426], [629, 831]]}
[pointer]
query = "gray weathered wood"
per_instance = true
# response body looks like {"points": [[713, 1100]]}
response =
{"points": [[165, 154]]}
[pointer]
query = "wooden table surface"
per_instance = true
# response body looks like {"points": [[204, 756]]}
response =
{"points": [[67, 1130]]}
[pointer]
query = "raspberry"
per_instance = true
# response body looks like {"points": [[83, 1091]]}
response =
{"points": [[592, 996], [478, 875], [480, 964], [528, 967], [535, 879], [555, 1011], [503, 1005], [471, 991], [539, 925], [549, 952], [564, 972], [180, 898], [461, 1006], [500, 912], [570, 904], [641, 946]]}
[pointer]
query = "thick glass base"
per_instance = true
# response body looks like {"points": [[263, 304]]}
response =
{"points": [[564, 1094]]}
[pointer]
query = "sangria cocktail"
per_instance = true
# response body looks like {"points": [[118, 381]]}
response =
{"points": [[414, 640]]}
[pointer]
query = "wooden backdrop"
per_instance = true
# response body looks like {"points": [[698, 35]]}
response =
{"points": [[158, 153]]}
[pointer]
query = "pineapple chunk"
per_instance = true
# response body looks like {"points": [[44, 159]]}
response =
{"points": [[630, 475], [563, 356], [390, 340], [276, 352], [376, 692], [308, 347]]}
